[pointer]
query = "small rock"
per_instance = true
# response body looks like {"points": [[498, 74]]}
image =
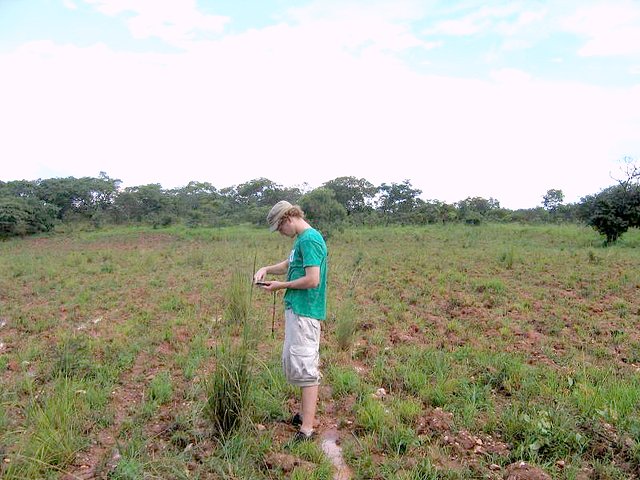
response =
{"points": [[260, 427], [629, 442], [380, 393], [494, 467]]}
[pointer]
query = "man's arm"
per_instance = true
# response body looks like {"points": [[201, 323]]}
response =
{"points": [[310, 280]]}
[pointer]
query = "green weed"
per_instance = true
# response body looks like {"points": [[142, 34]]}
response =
{"points": [[371, 415], [507, 258], [270, 392], [345, 381], [160, 388], [73, 357], [55, 426], [196, 352], [128, 469], [397, 439], [491, 285], [346, 324]]}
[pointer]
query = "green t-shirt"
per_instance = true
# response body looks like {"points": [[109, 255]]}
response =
{"points": [[309, 250]]}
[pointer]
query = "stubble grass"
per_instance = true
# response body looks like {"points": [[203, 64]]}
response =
{"points": [[524, 334]]}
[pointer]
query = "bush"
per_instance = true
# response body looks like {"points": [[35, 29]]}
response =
{"points": [[613, 211], [473, 218], [20, 217]]}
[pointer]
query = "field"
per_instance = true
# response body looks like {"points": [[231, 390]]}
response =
{"points": [[450, 352]]}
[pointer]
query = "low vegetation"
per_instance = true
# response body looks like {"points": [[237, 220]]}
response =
{"points": [[450, 352], [29, 207]]}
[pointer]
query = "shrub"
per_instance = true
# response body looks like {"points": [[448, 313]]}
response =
{"points": [[613, 211], [19, 217]]}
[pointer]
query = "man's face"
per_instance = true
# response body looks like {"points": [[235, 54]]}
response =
{"points": [[285, 227]]}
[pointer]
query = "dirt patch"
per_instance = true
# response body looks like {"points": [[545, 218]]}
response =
{"points": [[524, 471], [439, 425], [286, 463], [102, 456], [437, 422], [466, 443]]}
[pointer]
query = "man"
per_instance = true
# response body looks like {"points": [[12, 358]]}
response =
{"points": [[305, 306]]}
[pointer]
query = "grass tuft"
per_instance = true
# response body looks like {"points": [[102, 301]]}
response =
{"points": [[54, 434], [346, 325]]}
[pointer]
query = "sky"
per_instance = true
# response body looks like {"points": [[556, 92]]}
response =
{"points": [[501, 99]]}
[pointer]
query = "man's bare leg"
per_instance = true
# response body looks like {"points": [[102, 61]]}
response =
{"points": [[309, 404]]}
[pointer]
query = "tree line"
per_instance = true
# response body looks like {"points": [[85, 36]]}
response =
{"points": [[29, 207]]}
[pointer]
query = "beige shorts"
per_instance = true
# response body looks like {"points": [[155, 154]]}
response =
{"points": [[300, 353]]}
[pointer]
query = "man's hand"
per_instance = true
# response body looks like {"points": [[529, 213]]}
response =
{"points": [[260, 274], [273, 286]]}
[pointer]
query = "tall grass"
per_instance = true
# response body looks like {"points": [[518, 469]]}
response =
{"points": [[56, 422], [238, 299], [346, 324], [228, 388], [228, 391]]}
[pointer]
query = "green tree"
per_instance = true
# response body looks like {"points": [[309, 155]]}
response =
{"points": [[19, 188], [617, 208], [22, 216], [79, 197], [145, 203], [612, 211], [435, 211], [354, 194], [399, 201], [259, 191], [552, 200], [322, 209], [198, 203], [475, 209]]}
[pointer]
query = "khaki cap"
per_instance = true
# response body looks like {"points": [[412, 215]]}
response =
{"points": [[275, 214]]}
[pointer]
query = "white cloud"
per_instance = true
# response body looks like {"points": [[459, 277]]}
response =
{"points": [[176, 23], [507, 20], [523, 21], [69, 4], [611, 28], [357, 27], [510, 75]]}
